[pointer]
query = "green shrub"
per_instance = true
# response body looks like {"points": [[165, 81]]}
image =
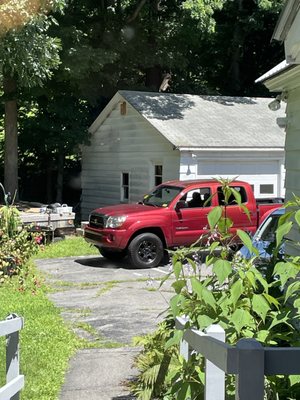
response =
{"points": [[16, 244], [245, 301]]}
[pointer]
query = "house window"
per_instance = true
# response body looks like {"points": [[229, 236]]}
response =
{"points": [[123, 109], [158, 174], [266, 189], [125, 186]]}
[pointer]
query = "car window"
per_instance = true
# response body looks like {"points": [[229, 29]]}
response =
{"points": [[162, 195], [232, 201], [268, 229], [199, 197]]}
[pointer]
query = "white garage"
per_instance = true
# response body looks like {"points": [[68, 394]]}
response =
{"points": [[266, 176], [141, 139]]}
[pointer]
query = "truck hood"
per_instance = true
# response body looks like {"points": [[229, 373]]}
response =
{"points": [[127, 209]]}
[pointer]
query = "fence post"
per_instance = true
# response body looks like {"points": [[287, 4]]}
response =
{"points": [[12, 356], [185, 349], [214, 376], [250, 378]]}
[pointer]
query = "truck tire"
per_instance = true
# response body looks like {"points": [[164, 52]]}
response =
{"points": [[145, 251], [111, 254]]}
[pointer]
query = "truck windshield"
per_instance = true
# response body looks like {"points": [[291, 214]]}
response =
{"points": [[162, 196]]}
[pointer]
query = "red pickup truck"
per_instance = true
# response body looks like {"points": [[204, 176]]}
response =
{"points": [[173, 214]]}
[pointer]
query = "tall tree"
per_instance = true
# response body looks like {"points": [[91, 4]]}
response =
{"points": [[27, 56]]}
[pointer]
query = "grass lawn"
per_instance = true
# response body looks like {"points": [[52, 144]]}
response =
{"points": [[46, 342], [72, 246]]}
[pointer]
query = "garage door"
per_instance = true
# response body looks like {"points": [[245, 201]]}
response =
{"points": [[262, 175]]}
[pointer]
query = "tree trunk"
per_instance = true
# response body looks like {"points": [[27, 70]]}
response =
{"points": [[234, 73], [49, 186], [153, 77], [60, 176], [11, 136]]}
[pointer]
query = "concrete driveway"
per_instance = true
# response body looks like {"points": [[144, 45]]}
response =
{"points": [[115, 300], [109, 303]]}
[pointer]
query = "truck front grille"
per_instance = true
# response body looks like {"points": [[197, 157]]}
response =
{"points": [[97, 220]]}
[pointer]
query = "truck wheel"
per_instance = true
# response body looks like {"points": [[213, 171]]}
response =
{"points": [[146, 251], [111, 254]]}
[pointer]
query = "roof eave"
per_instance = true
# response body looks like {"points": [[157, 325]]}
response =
{"points": [[285, 20]]}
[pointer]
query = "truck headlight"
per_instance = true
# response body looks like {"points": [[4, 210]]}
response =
{"points": [[115, 222]]}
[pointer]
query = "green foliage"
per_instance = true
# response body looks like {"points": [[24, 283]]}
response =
{"points": [[46, 342], [242, 297], [156, 362], [16, 244], [30, 54]]}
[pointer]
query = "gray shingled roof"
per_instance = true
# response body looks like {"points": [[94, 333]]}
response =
{"points": [[210, 121]]}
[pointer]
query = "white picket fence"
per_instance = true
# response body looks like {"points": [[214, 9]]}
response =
{"points": [[248, 360], [14, 381]]}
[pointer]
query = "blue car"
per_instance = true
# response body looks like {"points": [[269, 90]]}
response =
{"points": [[265, 237]]}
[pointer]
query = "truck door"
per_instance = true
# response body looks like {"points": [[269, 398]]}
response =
{"points": [[235, 213], [189, 218]]}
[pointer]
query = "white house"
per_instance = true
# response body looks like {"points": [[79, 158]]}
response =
{"points": [[141, 139], [285, 80]]}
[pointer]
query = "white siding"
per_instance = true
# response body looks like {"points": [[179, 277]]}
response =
{"points": [[292, 42], [292, 146], [124, 143], [254, 167]]}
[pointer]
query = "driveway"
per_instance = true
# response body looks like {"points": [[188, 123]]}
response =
{"points": [[116, 301], [106, 303]]}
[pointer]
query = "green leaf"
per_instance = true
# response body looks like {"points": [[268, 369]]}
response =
{"points": [[174, 340], [285, 271], [225, 224], [236, 195], [251, 278], [279, 318], [282, 230], [204, 321], [208, 298], [236, 290], [247, 241], [175, 303], [297, 303], [222, 268], [179, 285], [271, 300], [262, 335], [177, 267], [214, 216], [292, 289], [294, 379], [297, 217], [184, 392], [260, 279], [241, 318], [197, 287], [213, 246], [260, 305]]}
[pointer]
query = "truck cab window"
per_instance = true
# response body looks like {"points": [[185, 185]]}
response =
{"points": [[232, 200], [198, 198]]}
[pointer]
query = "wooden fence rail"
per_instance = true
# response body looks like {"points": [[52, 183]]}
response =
{"points": [[14, 381], [248, 360]]}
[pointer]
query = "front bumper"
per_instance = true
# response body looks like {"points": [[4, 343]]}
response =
{"points": [[111, 238]]}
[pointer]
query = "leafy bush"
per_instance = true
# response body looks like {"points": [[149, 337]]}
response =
{"points": [[16, 244], [244, 300]]}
